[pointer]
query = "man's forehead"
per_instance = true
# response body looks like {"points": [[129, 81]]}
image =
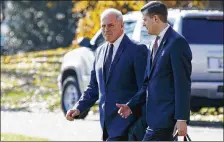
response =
{"points": [[109, 16], [145, 16], [108, 19]]}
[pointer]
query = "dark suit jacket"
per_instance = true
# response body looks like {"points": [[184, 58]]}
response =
{"points": [[125, 79], [137, 130], [167, 83]]}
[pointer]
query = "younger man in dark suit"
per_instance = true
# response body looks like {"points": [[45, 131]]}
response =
{"points": [[167, 79]]}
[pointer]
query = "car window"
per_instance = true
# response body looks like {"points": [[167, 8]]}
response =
{"points": [[129, 27], [145, 37], [97, 40], [171, 21], [203, 30], [100, 40]]}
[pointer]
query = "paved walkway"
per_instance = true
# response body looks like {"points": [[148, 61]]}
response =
{"points": [[51, 125], [55, 127]]}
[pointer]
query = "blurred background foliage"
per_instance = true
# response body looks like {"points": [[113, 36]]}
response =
{"points": [[40, 25], [91, 10], [37, 25]]}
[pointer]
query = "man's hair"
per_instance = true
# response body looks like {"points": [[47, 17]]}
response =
{"points": [[156, 8], [116, 12]]}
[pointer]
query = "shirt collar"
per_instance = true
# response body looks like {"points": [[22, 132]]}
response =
{"points": [[117, 42], [162, 33]]}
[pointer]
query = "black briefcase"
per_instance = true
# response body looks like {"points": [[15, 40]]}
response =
{"points": [[186, 138]]}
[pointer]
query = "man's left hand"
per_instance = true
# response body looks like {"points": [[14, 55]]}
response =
{"points": [[181, 128]]}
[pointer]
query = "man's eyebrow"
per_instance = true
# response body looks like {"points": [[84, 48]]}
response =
{"points": [[109, 24]]}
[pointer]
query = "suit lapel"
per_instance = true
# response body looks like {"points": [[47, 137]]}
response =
{"points": [[103, 61], [149, 62], [161, 46], [117, 56]]}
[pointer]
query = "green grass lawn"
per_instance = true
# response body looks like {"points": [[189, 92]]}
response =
{"points": [[18, 137]]}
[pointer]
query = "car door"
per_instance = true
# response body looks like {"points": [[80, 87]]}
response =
{"points": [[205, 36]]}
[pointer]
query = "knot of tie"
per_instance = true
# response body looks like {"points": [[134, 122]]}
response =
{"points": [[111, 45], [156, 42], [155, 47]]}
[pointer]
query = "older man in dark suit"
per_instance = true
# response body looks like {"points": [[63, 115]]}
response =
{"points": [[117, 75], [167, 79]]}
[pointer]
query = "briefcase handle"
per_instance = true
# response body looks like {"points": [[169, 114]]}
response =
{"points": [[186, 138]]}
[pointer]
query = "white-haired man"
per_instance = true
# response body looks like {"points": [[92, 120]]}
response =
{"points": [[117, 74]]}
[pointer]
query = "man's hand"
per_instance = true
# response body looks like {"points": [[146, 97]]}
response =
{"points": [[71, 114], [181, 128], [124, 110]]}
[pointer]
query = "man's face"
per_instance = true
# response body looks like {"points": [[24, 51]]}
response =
{"points": [[111, 28], [150, 22]]}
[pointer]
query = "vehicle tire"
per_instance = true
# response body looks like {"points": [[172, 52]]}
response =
{"points": [[70, 95]]}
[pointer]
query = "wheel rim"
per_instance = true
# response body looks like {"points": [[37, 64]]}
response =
{"points": [[70, 96]]}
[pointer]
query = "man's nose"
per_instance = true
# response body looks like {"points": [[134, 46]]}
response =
{"points": [[106, 29]]}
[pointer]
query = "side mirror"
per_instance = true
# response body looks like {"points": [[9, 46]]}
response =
{"points": [[84, 42]]}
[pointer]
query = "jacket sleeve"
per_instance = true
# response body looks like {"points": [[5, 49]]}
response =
{"points": [[90, 95], [181, 57], [140, 63], [140, 97]]}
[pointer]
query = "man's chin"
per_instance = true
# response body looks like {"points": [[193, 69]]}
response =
{"points": [[150, 33], [108, 39]]}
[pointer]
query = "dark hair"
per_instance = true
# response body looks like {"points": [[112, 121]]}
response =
{"points": [[156, 8]]}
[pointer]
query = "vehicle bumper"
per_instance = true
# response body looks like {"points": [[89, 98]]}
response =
{"points": [[210, 90]]}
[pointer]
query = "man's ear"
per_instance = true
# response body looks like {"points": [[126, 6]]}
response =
{"points": [[122, 25], [156, 18]]}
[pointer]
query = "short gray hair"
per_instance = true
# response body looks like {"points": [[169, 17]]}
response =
{"points": [[114, 11]]}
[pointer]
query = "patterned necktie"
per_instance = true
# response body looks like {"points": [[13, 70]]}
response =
{"points": [[108, 61], [155, 47]]}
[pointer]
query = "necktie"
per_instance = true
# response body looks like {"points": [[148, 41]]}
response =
{"points": [[155, 48], [108, 61]]}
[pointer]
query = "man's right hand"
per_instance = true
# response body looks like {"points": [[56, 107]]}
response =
{"points": [[71, 114], [124, 110]]}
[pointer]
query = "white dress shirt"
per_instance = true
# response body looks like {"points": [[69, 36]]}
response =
{"points": [[116, 45], [161, 35]]}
